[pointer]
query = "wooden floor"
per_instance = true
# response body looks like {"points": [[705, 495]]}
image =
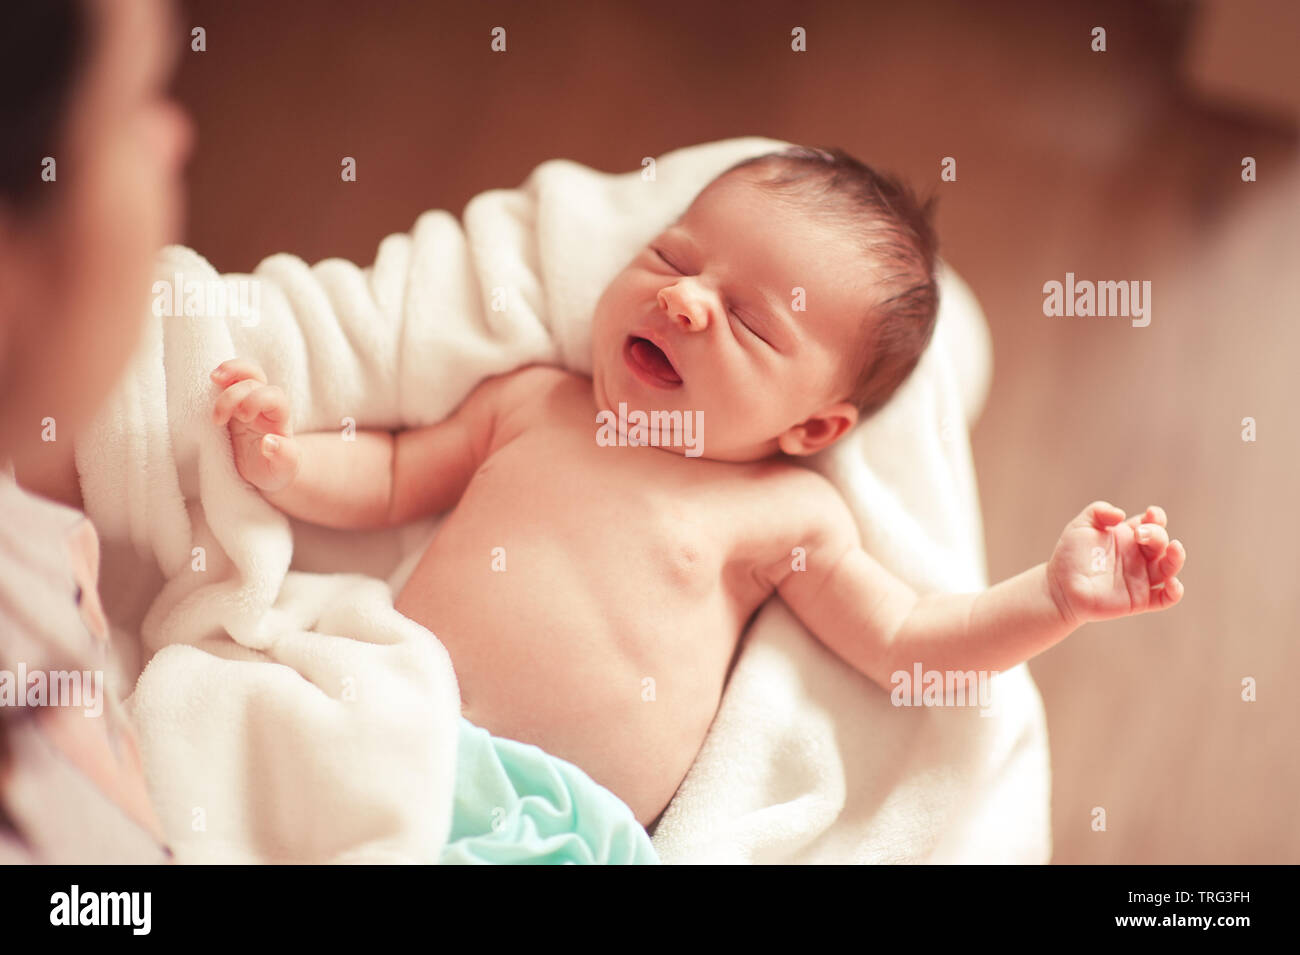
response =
{"points": [[1068, 160]]}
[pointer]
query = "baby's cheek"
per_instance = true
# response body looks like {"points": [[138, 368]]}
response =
{"points": [[605, 314]]}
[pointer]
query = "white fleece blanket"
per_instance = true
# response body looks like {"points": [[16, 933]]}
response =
{"points": [[293, 715]]}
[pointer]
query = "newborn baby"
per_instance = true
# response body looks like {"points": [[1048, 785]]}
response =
{"points": [[592, 593]]}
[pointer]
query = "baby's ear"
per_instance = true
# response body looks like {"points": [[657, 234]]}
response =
{"points": [[819, 431]]}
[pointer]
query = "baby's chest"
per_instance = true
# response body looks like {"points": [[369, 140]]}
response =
{"points": [[628, 522]]}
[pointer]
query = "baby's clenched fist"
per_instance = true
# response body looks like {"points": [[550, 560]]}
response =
{"points": [[261, 435]]}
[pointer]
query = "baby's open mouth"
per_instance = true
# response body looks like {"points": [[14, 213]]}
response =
{"points": [[650, 363]]}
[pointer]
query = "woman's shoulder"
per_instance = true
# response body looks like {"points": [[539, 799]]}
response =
{"points": [[71, 780], [42, 544]]}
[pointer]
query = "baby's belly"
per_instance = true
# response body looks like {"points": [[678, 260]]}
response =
{"points": [[610, 656]]}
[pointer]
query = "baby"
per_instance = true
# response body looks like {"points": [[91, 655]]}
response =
{"points": [[571, 568]]}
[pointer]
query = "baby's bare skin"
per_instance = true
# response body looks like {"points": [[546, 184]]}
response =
{"points": [[625, 565], [607, 637]]}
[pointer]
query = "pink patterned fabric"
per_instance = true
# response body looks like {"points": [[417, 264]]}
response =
{"points": [[72, 789]]}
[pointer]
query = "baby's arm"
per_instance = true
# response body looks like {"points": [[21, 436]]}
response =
{"points": [[377, 480], [879, 625]]}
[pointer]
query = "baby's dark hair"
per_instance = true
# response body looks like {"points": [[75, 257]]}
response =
{"points": [[896, 233]]}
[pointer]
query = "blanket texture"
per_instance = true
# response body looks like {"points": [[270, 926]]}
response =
{"points": [[288, 714]]}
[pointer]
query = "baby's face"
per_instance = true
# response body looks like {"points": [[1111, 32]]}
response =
{"points": [[708, 320]]}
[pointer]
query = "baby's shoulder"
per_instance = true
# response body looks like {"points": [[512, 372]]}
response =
{"points": [[523, 388], [527, 383], [780, 476], [795, 500], [501, 406]]}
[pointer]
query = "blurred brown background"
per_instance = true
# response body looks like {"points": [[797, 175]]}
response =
{"points": [[1117, 165]]}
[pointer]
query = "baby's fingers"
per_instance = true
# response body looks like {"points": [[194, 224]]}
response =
{"points": [[230, 399], [1169, 594], [268, 401], [1170, 564], [237, 369], [281, 455], [1155, 514], [1099, 514], [1153, 539]]}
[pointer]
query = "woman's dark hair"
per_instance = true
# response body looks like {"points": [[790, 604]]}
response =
{"points": [[43, 46]]}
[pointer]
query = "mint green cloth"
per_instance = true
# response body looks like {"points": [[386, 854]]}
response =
{"points": [[516, 803]]}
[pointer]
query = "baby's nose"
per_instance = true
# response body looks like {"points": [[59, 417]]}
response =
{"points": [[690, 315]]}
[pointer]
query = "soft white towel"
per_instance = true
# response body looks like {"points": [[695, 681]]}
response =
{"points": [[293, 715]]}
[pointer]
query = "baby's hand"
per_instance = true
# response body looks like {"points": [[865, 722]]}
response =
{"points": [[260, 433], [1105, 566]]}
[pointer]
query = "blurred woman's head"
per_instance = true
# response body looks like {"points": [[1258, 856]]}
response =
{"points": [[82, 82]]}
